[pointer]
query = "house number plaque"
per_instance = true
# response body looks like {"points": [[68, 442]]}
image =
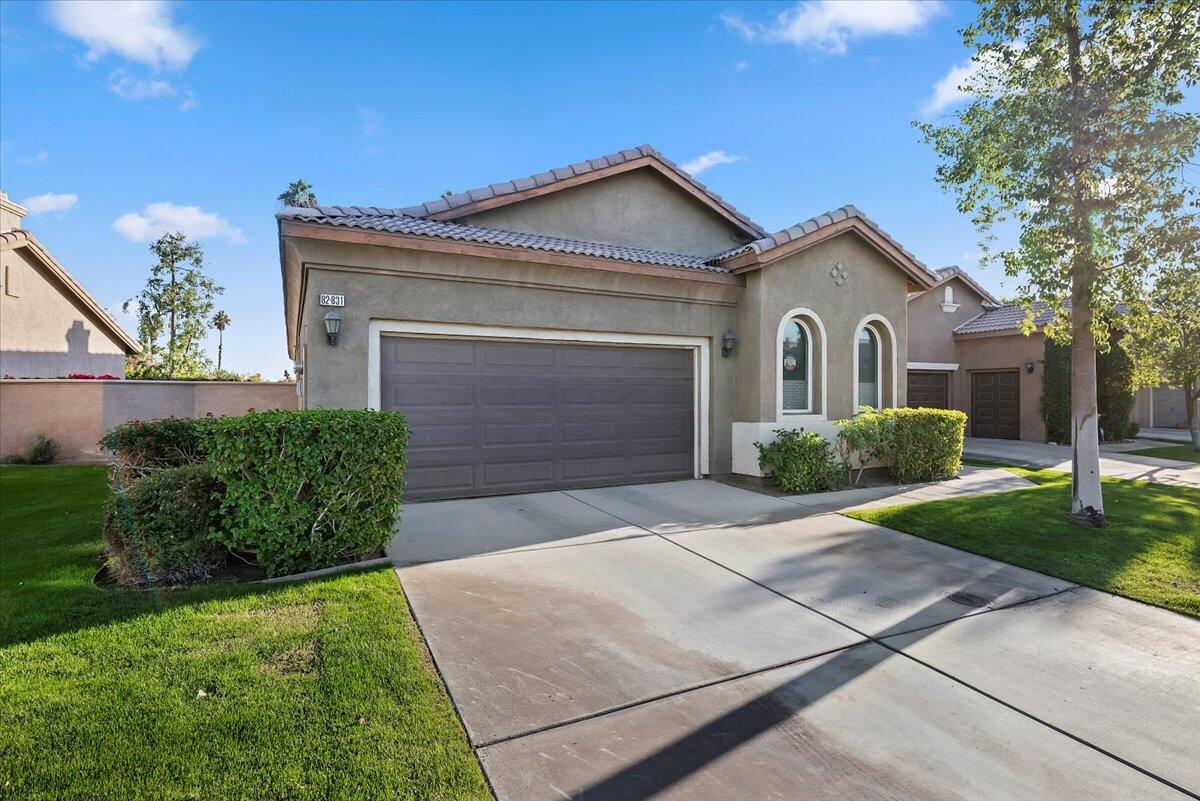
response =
{"points": [[332, 300]]}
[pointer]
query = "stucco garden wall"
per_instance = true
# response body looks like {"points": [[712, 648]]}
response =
{"points": [[76, 413]]}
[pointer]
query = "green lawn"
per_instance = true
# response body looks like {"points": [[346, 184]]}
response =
{"points": [[1150, 550], [1181, 453], [319, 689]]}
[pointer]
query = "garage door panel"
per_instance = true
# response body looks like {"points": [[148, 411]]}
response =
{"points": [[493, 417], [996, 405]]}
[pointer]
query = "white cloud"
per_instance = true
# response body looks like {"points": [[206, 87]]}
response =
{"points": [[965, 80], [41, 157], [127, 87], [741, 66], [371, 121], [137, 30], [43, 204], [709, 160], [829, 25], [189, 102], [160, 218]]}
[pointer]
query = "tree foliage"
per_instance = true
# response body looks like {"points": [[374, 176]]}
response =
{"points": [[1169, 348], [299, 193], [1086, 168], [1076, 138], [174, 310]]}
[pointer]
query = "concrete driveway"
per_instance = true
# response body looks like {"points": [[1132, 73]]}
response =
{"points": [[1114, 459], [695, 641]]}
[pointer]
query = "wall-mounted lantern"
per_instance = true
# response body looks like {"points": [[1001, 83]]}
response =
{"points": [[1029, 366], [727, 343], [333, 324]]}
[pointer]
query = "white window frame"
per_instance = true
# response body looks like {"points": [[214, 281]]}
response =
{"points": [[808, 366], [807, 318], [701, 348]]}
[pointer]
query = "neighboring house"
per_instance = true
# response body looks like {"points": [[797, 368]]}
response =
{"points": [[50, 327], [967, 352], [608, 322]]}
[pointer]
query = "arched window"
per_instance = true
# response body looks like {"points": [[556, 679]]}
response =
{"points": [[796, 367], [869, 365], [948, 294]]}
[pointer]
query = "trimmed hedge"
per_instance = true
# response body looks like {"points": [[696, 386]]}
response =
{"points": [[307, 489], [799, 461], [158, 529], [926, 444], [1114, 392]]}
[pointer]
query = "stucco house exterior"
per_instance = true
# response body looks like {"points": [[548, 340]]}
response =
{"points": [[609, 322], [50, 326]]}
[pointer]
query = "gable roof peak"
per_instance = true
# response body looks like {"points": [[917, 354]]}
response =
{"points": [[461, 204]]}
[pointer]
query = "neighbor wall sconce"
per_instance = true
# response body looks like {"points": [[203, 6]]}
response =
{"points": [[727, 343], [333, 324], [1029, 366]]}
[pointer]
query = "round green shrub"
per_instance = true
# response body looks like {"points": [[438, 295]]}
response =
{"points": [[926, 444], [799, 461], [159, 529], [307, 489]]}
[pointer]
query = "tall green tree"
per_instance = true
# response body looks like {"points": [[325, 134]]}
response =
{"points": [[175, 306], [1169, 348], [220, 321], [1075, 137], [299, 193]]}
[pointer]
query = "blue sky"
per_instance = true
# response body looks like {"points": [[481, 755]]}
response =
{"points": [[197, 115]]}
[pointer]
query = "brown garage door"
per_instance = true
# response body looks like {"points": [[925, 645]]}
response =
{"points": [[996, 405], [928, 390], [493, 417]]}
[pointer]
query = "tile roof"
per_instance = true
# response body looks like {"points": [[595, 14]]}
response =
{"points": [[562, 173], [812, 224], [1004, 318], [396, 222]]}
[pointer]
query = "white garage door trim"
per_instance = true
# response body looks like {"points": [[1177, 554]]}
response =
{"points": [[699, 346]]}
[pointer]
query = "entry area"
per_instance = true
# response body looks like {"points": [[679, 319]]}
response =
{"points": [[996, 405], [495, 416]]}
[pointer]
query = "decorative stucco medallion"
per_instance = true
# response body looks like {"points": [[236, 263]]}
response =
{"points": [[838, 273]]}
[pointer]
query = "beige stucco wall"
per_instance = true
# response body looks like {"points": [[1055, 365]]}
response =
{"points": [[392, 284], [77, 413], [1009, 352], [639, 208], [930, 329], [43, 332], [382, 283], [873, 286]]}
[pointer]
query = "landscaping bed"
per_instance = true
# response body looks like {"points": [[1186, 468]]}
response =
{"points": [[1147, 552], [314, 689]]}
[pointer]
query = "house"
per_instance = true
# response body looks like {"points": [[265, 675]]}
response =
{"points": [[50, 327], [609, 322], [967, 352]]}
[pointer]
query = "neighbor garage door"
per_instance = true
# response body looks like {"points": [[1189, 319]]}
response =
{"points": [[996, 405], [493, 417], [928, 390], [1169, 409]]}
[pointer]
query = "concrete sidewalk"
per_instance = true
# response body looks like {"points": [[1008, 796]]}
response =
{"points": [[693, 640], [1114, 460]]}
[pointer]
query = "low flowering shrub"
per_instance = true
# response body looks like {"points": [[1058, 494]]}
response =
{"points": [[169, 442], [864, 440], [307, 489], [799, 461], [159, 528]]}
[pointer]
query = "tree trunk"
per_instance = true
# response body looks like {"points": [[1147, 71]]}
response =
{"points": [[171, 329], [1191, 397], [220, 347], [1087, 502]]}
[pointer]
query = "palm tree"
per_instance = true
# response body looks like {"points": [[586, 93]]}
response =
{"points": [[219, 321], [299, 193]]}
